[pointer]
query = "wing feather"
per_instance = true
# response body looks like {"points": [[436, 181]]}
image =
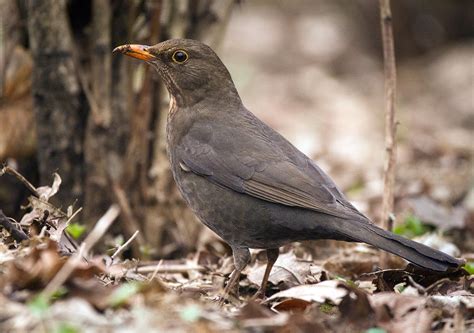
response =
{"points": [[261, 164]]}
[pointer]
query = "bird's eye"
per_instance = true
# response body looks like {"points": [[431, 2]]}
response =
{"points": [[180, 56]]}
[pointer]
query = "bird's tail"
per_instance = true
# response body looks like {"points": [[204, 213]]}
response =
{"points": [[418, 254]]}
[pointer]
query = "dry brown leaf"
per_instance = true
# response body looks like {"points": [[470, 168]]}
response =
{"points": [[291, 305], [400, 313], [299, 322], [355, 308], [253, 310], [34, 270]]}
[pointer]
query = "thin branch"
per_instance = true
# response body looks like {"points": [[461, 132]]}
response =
{"points": [[387, 217], [169, 268], [390, 125], [73, 216], [125, 245], [155, 272], [14, 231], [7, 169]]}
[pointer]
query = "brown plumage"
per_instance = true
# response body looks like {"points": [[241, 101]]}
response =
{"points": [[244, 180]]}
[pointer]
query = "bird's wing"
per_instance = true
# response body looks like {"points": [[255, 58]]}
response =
{"points": [[261, 163]]}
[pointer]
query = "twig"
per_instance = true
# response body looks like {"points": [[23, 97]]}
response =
{"points": [[99, 230], [73, 215], [13, 172], [155, 272], [124, 246], [173, 268], [390, 125], [15, 232], [129, 222], [421, 290]]}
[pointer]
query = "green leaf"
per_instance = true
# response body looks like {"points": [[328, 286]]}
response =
{"points": [[190, 313], [146, 251], [469, 267], [76, 230], [38, 305], [411, 227], [121, 295], [59, 293], [66, 328], [400, 287], [350, 283], [375, 330], [326, 308], [415, 225]]}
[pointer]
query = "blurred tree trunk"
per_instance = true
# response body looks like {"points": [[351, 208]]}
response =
{"points": [[107, 130], [167, 222], [98, 131], [108, 127], [118, 152], [170, 222], [60, 108]]}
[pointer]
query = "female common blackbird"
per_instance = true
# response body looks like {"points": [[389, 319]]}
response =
{"points": [[244, 180]]}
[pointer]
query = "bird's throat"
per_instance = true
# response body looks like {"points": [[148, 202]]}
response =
{"points": [[173, 106]]}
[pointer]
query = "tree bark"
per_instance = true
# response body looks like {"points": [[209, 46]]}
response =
{"points": [[60, 108], [169, 224], [98, 131]]}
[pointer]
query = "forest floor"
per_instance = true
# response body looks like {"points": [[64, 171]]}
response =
{"points": [[52, 282], [329, 102]]}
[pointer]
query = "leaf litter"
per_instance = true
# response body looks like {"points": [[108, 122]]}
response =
{"points": [[52, 282]]}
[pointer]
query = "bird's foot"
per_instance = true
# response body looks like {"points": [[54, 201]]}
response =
{"points": [[259, 296], [223, 298], [230, 294]]}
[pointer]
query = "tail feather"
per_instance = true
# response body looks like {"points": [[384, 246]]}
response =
{"points": [[417, 253]]}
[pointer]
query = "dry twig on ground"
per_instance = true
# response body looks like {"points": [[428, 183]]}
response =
{"points": [[14, 231]]}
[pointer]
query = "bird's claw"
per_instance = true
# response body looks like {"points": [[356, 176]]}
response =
{"points": [[259, 296]]}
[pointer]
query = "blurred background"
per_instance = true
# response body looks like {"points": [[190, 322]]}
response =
{"points": [[312, 69]]}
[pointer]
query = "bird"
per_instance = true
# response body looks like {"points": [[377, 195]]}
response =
{"points": [[244, 180]]}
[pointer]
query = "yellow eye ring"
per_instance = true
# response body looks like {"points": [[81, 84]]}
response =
{"points": [[180, 56]]}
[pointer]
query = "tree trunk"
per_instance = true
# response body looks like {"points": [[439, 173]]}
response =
{"points": [[60, 108], [169, 224], [98, 131]]}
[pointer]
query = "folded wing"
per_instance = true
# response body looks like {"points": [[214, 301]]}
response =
{"points": [[262, 164]]}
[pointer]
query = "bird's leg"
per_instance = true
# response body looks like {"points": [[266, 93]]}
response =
{"points": [[241, 259], [272, 256]]}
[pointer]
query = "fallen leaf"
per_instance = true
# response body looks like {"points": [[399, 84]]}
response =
{"points": [[321, 292], [288, 270], [253, 310], [291, 304], [46, 192], [400, 313]]}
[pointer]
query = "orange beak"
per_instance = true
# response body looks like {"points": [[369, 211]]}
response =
{"points": [[136, 51]]}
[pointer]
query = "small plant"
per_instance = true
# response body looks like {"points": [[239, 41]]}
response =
{"points": [[120, 296], [326, 308], [76, 230], [469, 267], [411, 227], [39, 304]]}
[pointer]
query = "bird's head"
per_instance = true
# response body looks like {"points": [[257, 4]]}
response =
{"points": [[190, 69]]}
